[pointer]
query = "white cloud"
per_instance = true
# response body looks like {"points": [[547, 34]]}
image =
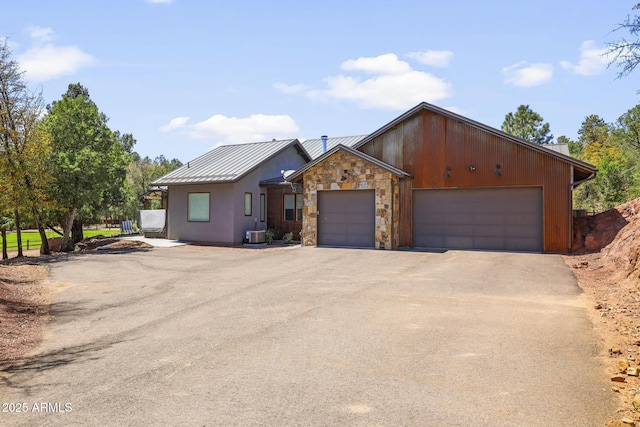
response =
{"points": [[395, 85], [383, 64], [174, 124], [49, 62], [395, 92], [285, 88], [233, 130], [524, 75], [41, 34], [434, 58], [45, 61], [593, 60]]}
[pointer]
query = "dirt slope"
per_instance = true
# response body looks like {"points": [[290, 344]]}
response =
{"points": [[608, 270]]}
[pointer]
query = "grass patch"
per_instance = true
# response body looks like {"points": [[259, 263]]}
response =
{"points": [[31, 239]]}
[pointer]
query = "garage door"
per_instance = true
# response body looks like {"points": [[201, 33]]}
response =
{"points": [[346, 218], [493, 218]]}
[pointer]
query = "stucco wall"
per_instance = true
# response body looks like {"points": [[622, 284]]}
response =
{"points": [[286, 160], [343, 171], [220, 225], [228, 222]]}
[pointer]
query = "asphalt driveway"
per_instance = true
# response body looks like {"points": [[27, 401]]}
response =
{"points": [[312, 336]]}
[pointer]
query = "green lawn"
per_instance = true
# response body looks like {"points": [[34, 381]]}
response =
{"points": [[31, 239]]}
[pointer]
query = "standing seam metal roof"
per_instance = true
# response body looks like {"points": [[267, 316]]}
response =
{"points": [[227, 163], [314, 146]]}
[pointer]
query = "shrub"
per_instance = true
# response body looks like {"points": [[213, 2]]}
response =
{"points": [[269, 235], [288, 238]]}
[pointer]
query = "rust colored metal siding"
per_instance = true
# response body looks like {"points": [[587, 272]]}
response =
{"points": [[441, 152]]}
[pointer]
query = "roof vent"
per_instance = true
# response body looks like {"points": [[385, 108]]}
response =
{"points": [[324, 143]]}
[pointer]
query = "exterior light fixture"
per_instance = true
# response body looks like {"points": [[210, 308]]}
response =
{"points": [[471, 168], [447, 172], [498, 171]]}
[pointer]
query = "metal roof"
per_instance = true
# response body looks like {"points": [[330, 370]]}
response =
{"points": [[277, 180], [314, 146], [559, 148], [367, 158], [430, 107], [228, 163]]}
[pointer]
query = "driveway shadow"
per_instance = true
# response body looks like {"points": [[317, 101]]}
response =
{"points": [[20, 371]]}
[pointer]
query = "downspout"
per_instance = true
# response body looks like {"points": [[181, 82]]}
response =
{"points": [[570, 201], [166, 216], [324, 143]]}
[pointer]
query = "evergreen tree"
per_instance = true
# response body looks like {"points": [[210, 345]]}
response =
{"points": [[88, 161], [527, 124]]}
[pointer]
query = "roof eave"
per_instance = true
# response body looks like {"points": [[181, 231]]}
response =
{"points": [[294, 143], [297, 175], [169, 183]]}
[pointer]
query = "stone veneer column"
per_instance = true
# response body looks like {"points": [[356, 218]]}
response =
{"points": [[342, 171]]}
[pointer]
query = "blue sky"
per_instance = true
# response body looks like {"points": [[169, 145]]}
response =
{"points": [[186, 75]]}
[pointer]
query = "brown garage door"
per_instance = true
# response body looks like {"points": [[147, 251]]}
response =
{"points": [[492, 218], [346, 218]]}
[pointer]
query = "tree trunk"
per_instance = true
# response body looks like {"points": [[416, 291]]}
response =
{"points": [[52, 228], [43, 234], [3, 231], [76, 231], [18, 233], [64, 245]]}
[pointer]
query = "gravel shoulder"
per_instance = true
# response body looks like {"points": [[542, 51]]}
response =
{"points": [[614, 308], [24, 310], [607, 266]]}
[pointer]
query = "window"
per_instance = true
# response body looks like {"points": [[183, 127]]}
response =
{"points": [[247, 204], [293, 207], [198, 208], [263, 207]]}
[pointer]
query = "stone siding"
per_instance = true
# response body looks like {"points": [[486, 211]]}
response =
{"points": [[343, 171]]}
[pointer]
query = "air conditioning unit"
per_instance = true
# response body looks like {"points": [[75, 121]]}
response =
{"points": [[256, 236]]}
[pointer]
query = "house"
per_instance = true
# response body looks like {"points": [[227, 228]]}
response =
{"points": [[284, 199], [220, 195], [435, 179]]}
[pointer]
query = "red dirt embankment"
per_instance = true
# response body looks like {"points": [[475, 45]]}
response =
{"points": [[606, 264], [615, 235]]}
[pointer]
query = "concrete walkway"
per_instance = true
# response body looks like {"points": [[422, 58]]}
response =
{"points": [[156, 242]]}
